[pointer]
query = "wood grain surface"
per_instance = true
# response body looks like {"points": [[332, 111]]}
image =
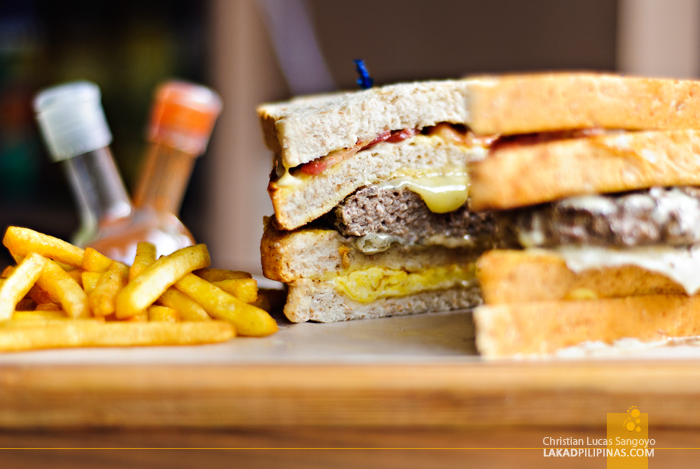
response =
{"points": [[464, 394], [320, 447]]}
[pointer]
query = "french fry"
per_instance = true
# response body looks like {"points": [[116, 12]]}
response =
{"points": [[92, 333], [141, 316], [145, 256], [38, 315], [163, 313], [90, 280], [18, 284], [188, 308], [39, 296], [95, 261], [245, 289], [163, 273], [76, 274], [249, 320], [7, 271], [217, 275], [57, 283], [47, 307], [23, 241], [111, 281]]}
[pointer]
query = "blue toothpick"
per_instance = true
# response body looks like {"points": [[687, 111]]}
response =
{"points": [[365, 81]]}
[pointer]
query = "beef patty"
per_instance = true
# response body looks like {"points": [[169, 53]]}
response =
{"points": [[668, 216], [402, 213]]}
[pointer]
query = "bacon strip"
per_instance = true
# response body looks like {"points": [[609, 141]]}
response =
{"points": [[319, 165]]}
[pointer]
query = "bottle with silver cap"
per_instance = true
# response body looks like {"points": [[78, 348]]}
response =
{"points": [[76, 133]]}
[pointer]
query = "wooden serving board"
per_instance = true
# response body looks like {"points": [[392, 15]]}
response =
{"points": [[417, 370]]}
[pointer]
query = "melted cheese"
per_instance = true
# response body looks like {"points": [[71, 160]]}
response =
{"points": [[288, 180], [678, 264], [441, 194], [373, 283]]}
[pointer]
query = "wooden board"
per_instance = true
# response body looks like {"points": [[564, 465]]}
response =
{"points": [[411, 371]]}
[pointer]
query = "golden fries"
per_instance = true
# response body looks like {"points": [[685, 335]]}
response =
{"points": [[112, 280], [152, 282], [18, 284], [93, 261], [37, 315], [163, 313], [245, 289], [57, 283], [23, 241], [145, 256], [249, 320], [91, 333], [217, 275], [61, 296], [39, 296], [189, 309], [90, 281]]}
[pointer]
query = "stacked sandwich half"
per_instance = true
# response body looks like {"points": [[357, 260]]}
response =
{"points": [[586, 178], [607, 216], [369, 192]]}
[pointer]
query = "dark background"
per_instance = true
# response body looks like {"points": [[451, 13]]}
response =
{"points": [[128, 47]]}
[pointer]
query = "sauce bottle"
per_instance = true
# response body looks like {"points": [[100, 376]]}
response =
{"points": [[182, 120], [76, 133]]}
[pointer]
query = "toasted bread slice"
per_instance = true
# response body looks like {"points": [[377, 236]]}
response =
{"points": [[521, 175], [310, 127], [310, 300], [539, 275], [524, 329], [517, 104], [313, 196], [318, 253], [307, 128]]}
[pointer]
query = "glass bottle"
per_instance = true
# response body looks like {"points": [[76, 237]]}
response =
{"points": [[76, 133], [182, 120]]}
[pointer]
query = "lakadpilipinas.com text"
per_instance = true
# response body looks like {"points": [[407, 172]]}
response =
{"points": [[598, 447]]}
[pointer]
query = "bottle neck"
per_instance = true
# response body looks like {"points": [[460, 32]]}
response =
{"points": [[98, 188], [164, 178]]}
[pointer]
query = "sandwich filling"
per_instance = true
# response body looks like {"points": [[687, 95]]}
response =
{"points": [[449, 133], [371, 284], [657, 229], [382, 216]]}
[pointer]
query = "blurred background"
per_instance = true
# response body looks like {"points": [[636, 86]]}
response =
{"points": [[253, 51]]}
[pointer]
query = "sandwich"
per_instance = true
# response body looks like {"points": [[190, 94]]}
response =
{"points": [[605, 219], [384, 200], [369, 191]]}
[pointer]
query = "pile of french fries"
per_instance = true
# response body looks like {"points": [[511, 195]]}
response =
{"points": [[59, 295]]}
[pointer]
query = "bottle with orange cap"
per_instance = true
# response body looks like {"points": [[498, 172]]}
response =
{"points": [[76, 133], [182, 120]]}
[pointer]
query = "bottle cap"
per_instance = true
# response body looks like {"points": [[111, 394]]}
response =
{"points": [[183, 116], [72, 120]]}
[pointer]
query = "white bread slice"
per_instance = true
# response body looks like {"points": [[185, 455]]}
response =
{"points": [[525, 329], [521, 175], [509, 276], [310, 300], [317, 253], [304, 129], [314, 196]]}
